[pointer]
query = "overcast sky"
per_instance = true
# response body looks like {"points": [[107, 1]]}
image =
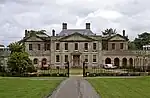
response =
{"points": [[18, 15]]}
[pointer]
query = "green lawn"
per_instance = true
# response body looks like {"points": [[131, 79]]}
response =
{"points": [[27, 87], [122, 87]]}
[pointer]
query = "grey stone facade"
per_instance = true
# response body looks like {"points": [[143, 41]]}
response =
{"points": [[79, 45], [4, 54]]}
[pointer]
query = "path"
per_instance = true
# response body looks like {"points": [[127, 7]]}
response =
{"points": [[75, 87]]}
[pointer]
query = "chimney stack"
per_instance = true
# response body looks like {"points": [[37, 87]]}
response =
{"points": [[53, 32], [124, 32], [87, 25], [26, 33], [64, 26]]}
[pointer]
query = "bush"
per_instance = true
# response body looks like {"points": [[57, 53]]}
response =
{"points": [[148, 73], [19, 61], [31, 69], [148, 68], [57, 67], [86, 67], [2, 69]]}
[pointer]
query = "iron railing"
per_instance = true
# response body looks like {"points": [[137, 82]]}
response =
{"points": [[120, 71]]}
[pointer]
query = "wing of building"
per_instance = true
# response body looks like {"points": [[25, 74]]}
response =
{"points": [[79, 45], [4, 54]]}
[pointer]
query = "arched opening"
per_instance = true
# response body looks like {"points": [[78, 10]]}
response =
{"points": [[124, 62], [35, 61], [130, 62], [44, 61], [45, 66], [107, 61], [116, 61]]}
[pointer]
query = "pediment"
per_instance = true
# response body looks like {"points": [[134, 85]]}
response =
{"points": [[76, 37], [34, 38], [117, 38]]}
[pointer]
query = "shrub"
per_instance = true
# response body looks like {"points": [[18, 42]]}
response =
{"points": [[86, 67], [57, 67], [148, 68]]}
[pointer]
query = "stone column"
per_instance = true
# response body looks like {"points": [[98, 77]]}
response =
{"points": [[128, 62], [120, 63]]}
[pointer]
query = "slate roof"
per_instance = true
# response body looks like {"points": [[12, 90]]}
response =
{"points": [[67, 32], [109, 37], [40, 35], [76, 33]]}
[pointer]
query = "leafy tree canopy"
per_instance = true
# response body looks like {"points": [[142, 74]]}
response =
{"points": [[16, 47], [143, 39], [109, 31], [37, 32], [131, 46], [33, 33], [19, 61]]}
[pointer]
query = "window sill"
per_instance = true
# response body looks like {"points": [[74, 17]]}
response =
{"points": [[85, 50], [65, 63], [57, 50], [94, 63], [57, 62], [94, 50]]}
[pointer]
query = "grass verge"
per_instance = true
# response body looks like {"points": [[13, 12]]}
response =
{"points": [[122, 87], [27, 87]]}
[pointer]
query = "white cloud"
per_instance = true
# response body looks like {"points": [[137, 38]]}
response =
{"points": [[18, 15]]}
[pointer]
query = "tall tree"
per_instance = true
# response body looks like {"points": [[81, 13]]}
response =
{"points": [[109, 31], [16, 47], [143, 39], [19, 61], [131, 46]]}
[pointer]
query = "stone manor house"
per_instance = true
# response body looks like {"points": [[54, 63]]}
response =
{"points": [[79, 45]]}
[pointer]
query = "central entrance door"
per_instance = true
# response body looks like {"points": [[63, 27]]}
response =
{"points": [[76, 60]]}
